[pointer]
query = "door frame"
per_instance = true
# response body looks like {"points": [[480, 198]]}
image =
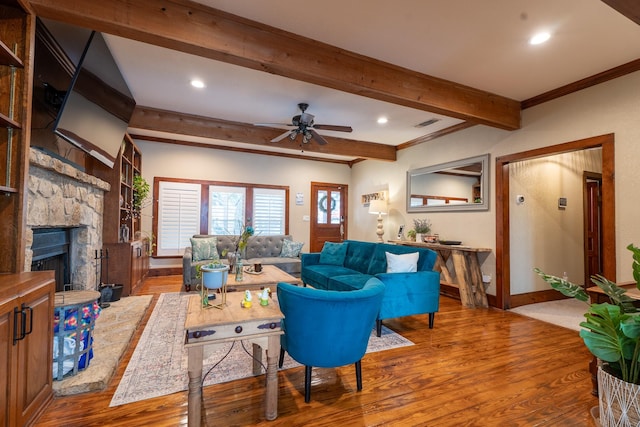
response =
{"points": [[503, 260]]}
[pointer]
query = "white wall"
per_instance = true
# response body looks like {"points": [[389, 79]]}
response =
{"points": [[611, 107], [177, 161]]}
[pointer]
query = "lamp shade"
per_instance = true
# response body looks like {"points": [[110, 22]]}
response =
{"points": [[378, 207]]}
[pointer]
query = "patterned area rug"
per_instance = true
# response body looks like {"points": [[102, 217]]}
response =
{"points": [[158, 365]]}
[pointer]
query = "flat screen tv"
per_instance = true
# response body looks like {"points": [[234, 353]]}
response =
{"points": [[96, 110]]}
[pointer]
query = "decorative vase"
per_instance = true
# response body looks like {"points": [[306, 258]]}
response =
{"points": [[238, 269], [419, 237], [124, 232], [232, 258], [619, 401]]}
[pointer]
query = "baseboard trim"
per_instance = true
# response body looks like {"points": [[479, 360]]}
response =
{"points": [[535, 297], [166, 271]]}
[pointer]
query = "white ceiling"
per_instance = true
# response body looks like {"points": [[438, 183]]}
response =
{"points": [[482, 44]]}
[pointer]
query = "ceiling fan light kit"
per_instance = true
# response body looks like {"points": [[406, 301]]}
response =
{"points": [[304, 125]]}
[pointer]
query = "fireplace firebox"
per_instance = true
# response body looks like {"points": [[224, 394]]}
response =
{"points": [[51, 248]]}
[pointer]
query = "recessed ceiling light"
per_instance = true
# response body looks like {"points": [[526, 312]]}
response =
{"points": [[539, 38], [197, 83], [382, 120]]}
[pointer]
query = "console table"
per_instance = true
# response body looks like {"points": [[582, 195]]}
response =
{"points": [[459, 267]]}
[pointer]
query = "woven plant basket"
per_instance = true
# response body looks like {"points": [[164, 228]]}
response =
{"points": [[619, 401]]}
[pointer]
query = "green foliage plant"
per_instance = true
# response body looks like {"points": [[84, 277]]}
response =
{"points": [[422, 226], [611, 330], [140, 192]]}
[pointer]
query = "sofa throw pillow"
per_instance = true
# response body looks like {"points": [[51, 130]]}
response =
{"points": [[404, 263], [290, 249], [333, 253], [204, 248]]}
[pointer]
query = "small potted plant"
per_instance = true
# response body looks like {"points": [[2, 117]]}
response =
{"points": [[214, 276], [421, 227], [612, 334]]}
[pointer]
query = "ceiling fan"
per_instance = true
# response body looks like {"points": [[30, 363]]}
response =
{"points": [[303, 125]]}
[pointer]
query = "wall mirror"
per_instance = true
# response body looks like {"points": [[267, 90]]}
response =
{"points": [[462, 185]]}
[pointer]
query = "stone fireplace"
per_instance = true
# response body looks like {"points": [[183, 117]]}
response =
{"points": [[62, 197]]}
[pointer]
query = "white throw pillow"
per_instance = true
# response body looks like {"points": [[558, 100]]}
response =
{"points": [[404, 263]]}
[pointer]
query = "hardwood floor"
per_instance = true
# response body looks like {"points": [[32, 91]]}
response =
{"points": [[481, 367]]}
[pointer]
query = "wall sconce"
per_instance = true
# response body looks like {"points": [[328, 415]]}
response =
{"points": [[378, 207]]}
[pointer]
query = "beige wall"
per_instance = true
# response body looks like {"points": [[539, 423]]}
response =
{"points": [[538, 220], [176, 161], [612, 107]]}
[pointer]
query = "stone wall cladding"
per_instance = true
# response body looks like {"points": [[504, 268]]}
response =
{"points": [[61, 195]]}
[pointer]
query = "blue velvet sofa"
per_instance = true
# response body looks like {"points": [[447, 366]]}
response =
{"points": [[350, 266]]}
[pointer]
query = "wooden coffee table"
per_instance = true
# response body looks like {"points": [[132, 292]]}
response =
{"points": [[261, 325], [269, 277]]}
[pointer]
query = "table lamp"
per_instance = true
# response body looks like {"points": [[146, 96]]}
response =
{"points": [[378, 207]]}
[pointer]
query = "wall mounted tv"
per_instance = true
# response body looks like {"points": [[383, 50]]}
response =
{"points": [[96, 110]]}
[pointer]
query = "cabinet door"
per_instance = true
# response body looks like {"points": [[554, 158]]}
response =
{"points": [[136, 264], [7, 361], [35, 353]]}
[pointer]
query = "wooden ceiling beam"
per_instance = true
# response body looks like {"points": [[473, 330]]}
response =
{"points": [[200, 30], [187, 124], [629, 8], [298, 156]]}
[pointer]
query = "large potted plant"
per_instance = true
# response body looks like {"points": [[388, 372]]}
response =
{"points": [[612, 334]]}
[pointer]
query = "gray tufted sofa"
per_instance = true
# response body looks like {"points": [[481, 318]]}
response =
{"points": [[263, 249]]}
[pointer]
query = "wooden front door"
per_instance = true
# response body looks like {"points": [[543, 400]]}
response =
{"points": [[328, 214]]}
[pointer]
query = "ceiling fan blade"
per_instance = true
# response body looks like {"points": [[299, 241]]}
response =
{"points": [[272, 124], [319, 139], [333, 127], [283, 136]]}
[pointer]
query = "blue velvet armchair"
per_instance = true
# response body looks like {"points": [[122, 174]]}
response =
{"points": [[327, 329]]}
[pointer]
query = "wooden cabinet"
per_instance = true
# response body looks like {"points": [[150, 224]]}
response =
{"points": [[118, 203], [130, 167], [16, 70], [26, 340], [128, 262]]}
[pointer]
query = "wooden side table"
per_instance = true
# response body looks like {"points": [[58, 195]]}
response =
{"points": [[259, 324]]}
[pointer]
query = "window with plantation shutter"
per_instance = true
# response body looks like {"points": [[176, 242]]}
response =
{"points": [[269, 211], [226, 209], [178, 216], [185, 207]]}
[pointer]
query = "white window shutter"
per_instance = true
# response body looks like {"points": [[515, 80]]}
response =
{"points": [[178, 216], [269, 211]]}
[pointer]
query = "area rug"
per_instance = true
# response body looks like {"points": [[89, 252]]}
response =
{"points": [[158, 366], [567, 313]]}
